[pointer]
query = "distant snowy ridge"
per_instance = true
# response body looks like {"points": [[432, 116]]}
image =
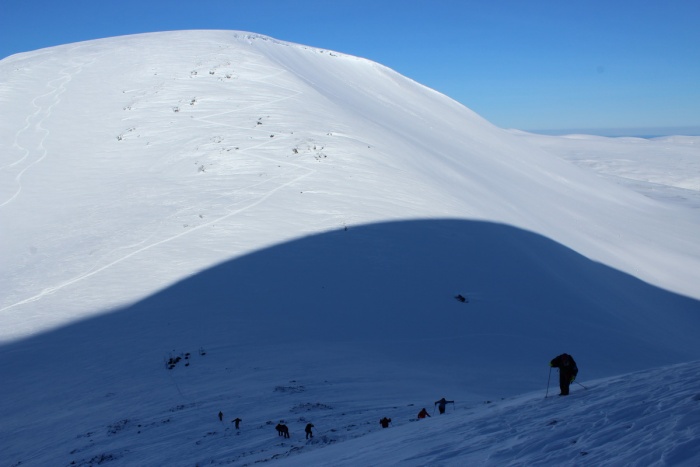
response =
{"points": [[665, 168]]}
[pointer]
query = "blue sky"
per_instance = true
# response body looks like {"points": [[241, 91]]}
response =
{"points": [[610, 67]]}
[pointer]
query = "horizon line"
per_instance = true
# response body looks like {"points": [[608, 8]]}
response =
{"points": [[621, 132]]}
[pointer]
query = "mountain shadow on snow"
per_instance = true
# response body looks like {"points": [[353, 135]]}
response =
{"points": [[391, 286], [374, 303]]}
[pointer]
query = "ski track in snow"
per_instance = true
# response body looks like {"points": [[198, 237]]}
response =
{"points": [[41, 114], [57, 91]]}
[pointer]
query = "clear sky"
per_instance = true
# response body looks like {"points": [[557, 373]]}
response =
{"points": [[607, 66]]}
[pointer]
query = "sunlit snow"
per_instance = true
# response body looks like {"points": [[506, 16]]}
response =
{"points": [[205, 221]]}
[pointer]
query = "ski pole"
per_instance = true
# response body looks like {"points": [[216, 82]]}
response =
{"points": [[584, 387], [548, 379]]}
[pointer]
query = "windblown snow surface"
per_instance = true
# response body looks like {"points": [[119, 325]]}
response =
{"points": [[208, 221]]}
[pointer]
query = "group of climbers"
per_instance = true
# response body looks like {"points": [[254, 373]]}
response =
{"points": [[568, 370], [441, 404]]}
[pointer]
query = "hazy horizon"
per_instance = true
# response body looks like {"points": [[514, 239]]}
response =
{"points": [[616, 132]]}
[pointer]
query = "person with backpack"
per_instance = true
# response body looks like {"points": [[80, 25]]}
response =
{"points": [[567, 371], [307, 430], [282, 430], [442, 403]]}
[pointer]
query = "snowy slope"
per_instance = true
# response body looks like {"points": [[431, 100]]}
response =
{"points": [[642, 419], [299, 222], [224, 166], [664, 168]]}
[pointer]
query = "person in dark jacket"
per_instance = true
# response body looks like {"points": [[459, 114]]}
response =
{"points": [[384, 422], [307, 430], [442, 403], [282, 430], [567, 371], [237, 421]]}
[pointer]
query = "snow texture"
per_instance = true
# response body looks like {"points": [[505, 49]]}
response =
{"points": [[205, 221]]}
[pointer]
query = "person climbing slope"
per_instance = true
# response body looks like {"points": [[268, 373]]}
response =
{"points": [[442, 403], [567, 371]]}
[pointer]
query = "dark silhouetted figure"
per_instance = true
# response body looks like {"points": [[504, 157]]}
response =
{"points": [[384, 422], [237, 421], [423, 413], [221, 416], [567, 371], [282, 430], [442, 403], [307, 430]]}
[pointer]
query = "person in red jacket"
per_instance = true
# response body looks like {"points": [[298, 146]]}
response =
{"points": [[567, 371], [423, 413]]}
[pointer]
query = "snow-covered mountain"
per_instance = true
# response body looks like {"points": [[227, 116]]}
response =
{"points": [[295, 225]]}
